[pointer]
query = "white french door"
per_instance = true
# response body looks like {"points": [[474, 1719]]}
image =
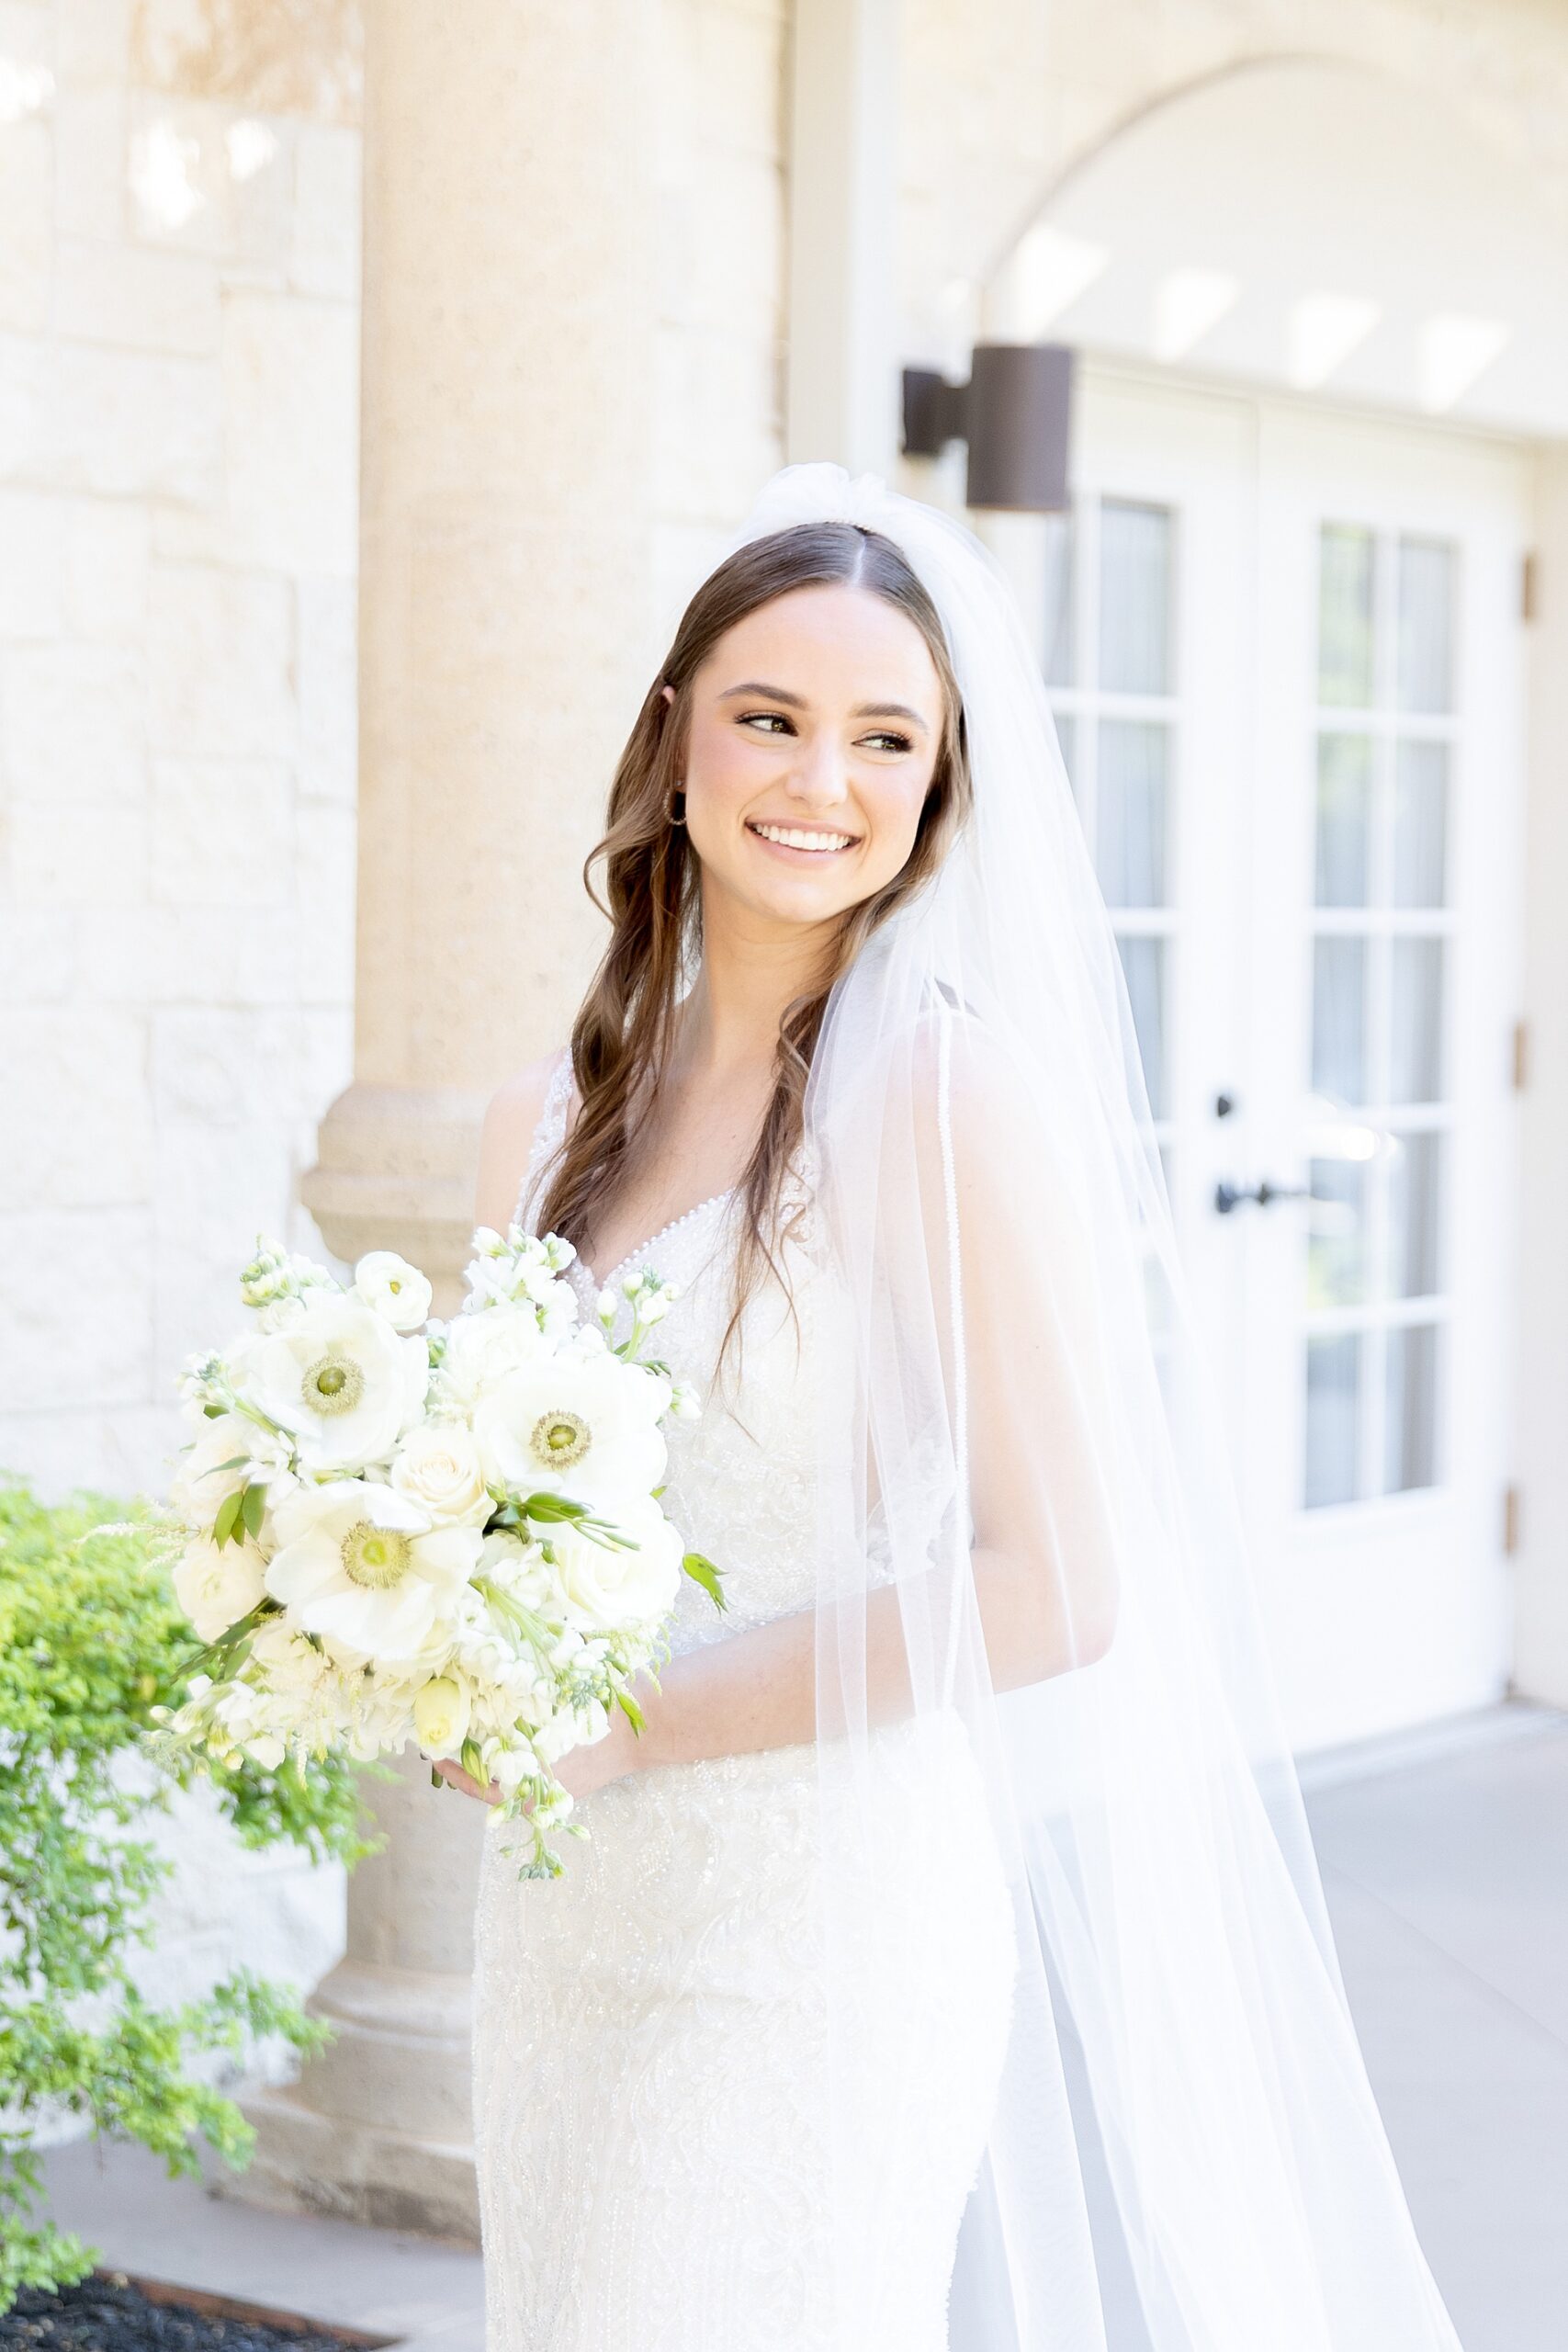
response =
{"points": [[1283, 647]]}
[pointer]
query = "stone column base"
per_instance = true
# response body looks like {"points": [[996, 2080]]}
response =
{"points": [[309, 2162]]}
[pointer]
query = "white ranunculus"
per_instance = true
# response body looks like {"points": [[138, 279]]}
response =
{"points": [[482, 1348], [229, 1450], [339, 1378], [583, 1425], [438, 1465], [216, 1587], [368, 1569], [441, 1715], [394, 1288], [604, 1588]]}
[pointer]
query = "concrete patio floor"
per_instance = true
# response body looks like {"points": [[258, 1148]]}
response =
{"points": [[1445, 1861]]}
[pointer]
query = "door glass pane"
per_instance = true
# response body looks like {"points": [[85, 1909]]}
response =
{"points": [[1332, 1380], [1412, 1212], [1425, 625], [1346, 573], [1059, 656], [1068, 736], [1135, 597], [1143, 961], [1416, 1019], [1410, 1409], [1420, 824], [1337, 1233], [1344, 819], [1130, 805], [1339, 1019]]}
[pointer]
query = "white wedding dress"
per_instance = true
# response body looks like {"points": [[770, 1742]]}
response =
{"points": [[651, 2065]]}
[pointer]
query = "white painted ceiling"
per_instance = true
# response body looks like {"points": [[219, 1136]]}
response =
{"points": [[1310, 225]]}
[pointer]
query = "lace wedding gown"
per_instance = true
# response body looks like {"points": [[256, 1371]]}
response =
{"points": [[650, 2030]]}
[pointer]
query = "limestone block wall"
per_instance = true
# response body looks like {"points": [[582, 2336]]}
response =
{"points": [[179, 262]]}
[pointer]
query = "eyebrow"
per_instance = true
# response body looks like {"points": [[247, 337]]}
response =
{"points": [[797, 701]]}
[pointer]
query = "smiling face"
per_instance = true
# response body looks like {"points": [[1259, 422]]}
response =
{"points": [[814, 729]]}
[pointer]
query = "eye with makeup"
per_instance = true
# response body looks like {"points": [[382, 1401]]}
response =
{"points": [[883, 737]]}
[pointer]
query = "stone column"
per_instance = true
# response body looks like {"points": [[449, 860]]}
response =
{"points": [[506, 490]]}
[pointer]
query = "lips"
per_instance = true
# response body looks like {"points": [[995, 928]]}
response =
{"points": [[810, 840]]}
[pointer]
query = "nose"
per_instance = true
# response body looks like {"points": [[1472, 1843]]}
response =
{"points": [[818, 778]]}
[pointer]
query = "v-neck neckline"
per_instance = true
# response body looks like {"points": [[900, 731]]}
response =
{"points": [[640, 1248]]}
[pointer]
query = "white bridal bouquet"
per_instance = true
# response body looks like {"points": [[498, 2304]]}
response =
{"points": [[396, 1528]]}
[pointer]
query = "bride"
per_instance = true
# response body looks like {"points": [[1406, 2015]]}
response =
{"points": [[955, 1906]]}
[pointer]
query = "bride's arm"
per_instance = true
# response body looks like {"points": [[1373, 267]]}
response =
{"points": [[1044, 1545], [1039, 1419], [511, 1117]]}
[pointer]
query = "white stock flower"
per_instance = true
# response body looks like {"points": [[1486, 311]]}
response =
{"points": [[394, 1288], [604, 1589], [438, 1465], [366, 1569], [442, 1710], [216, 1587], [340, 1378], [583, 1425], [686, 1404], [515, 1566]]}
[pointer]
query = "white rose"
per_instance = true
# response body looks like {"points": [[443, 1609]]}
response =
{"points": [[368, 1569], [340, 1378], [604, 1588], [482, 1349], [586, 1426], [441, 1715], [438, 1465], [394, 1288], [216, 1587]]}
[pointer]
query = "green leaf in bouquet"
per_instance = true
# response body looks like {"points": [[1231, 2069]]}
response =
{"points": [[632, 1711], [472, 1762], [702, 1571], [546, 1506], [252, 1506], [228, 1517]]}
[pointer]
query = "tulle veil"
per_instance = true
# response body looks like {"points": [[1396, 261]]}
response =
{"points": [[1021, 1469]]}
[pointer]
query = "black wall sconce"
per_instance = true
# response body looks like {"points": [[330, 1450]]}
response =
{"points": [[1014, 413]]}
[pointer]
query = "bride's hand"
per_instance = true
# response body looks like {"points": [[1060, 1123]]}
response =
{"points": [[580, 1770]]}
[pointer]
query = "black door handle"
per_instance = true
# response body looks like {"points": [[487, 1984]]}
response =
{"points": [[1229, 1197]]}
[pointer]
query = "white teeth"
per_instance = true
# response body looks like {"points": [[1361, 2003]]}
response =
{"points": [[797, 837]]}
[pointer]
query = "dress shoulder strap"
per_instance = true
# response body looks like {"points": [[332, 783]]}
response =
{"points": [[549, 1136]]}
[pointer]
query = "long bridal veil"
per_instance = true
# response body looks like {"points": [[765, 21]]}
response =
{"points": [[1027, 1530]]}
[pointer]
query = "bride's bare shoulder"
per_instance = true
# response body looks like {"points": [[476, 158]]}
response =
{"points": [[511, 1117]]}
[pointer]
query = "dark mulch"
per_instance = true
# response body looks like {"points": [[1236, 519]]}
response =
{"points": [[111, 2313]]}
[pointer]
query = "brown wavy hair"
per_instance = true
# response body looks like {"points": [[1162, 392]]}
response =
{"points": [[622, 1037]]}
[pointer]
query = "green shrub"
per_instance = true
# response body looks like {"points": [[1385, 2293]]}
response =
{"points": [[90, 1639]]}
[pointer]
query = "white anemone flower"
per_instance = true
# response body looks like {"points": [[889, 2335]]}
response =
{"points": [[580, 1425], [605, 1589], [367, 1569], [339, 1378], [394, 1288]]}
